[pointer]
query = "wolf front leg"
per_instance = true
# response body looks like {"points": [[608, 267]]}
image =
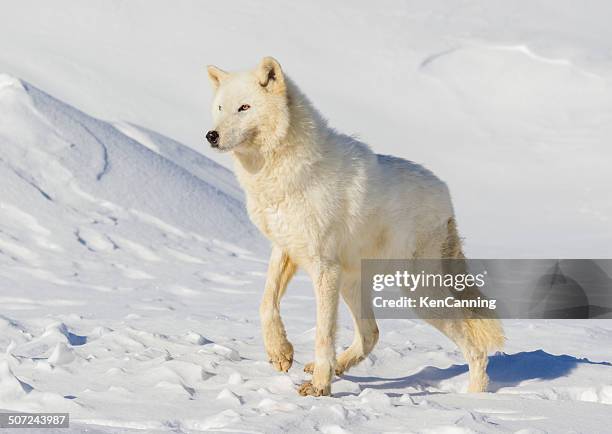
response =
{"points": [[326, 278], [280, 271]]}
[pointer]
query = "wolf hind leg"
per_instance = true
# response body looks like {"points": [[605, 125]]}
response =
{"points": [[476, 333], [475, 337]]}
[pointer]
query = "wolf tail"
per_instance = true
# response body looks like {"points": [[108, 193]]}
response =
{"points": [[485, 334]]}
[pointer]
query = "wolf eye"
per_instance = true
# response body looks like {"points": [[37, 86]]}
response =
{"points": [[244, 107]]}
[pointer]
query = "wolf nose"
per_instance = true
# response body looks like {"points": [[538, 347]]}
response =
{"points": [[213, 138]]}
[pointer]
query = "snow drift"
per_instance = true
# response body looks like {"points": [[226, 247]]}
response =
{"points": [[55, 159]]}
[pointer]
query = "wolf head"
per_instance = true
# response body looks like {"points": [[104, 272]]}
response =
{"points": [[250, 109]]}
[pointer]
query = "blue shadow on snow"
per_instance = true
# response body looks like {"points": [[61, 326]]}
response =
{"points": [[505, 370]]}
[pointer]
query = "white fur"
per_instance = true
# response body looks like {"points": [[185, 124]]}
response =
{"points": [[325, 201]]}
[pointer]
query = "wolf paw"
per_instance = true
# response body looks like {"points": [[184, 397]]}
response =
{"points": [[309, 389], [281, 357], [309, 369]]}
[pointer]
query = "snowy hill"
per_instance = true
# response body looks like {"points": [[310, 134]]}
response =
{"points": [[53, 153]]}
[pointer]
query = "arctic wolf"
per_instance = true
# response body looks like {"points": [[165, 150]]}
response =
{"points": [[325, 201]]}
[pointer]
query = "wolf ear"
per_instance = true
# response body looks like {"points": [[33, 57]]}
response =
{"points": [[270, 75], [216, 75]]}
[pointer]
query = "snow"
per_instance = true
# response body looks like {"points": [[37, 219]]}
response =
{"points": [[131, 276]]}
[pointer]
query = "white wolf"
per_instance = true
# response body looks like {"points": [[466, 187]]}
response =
{"points": [[325, 201]]}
